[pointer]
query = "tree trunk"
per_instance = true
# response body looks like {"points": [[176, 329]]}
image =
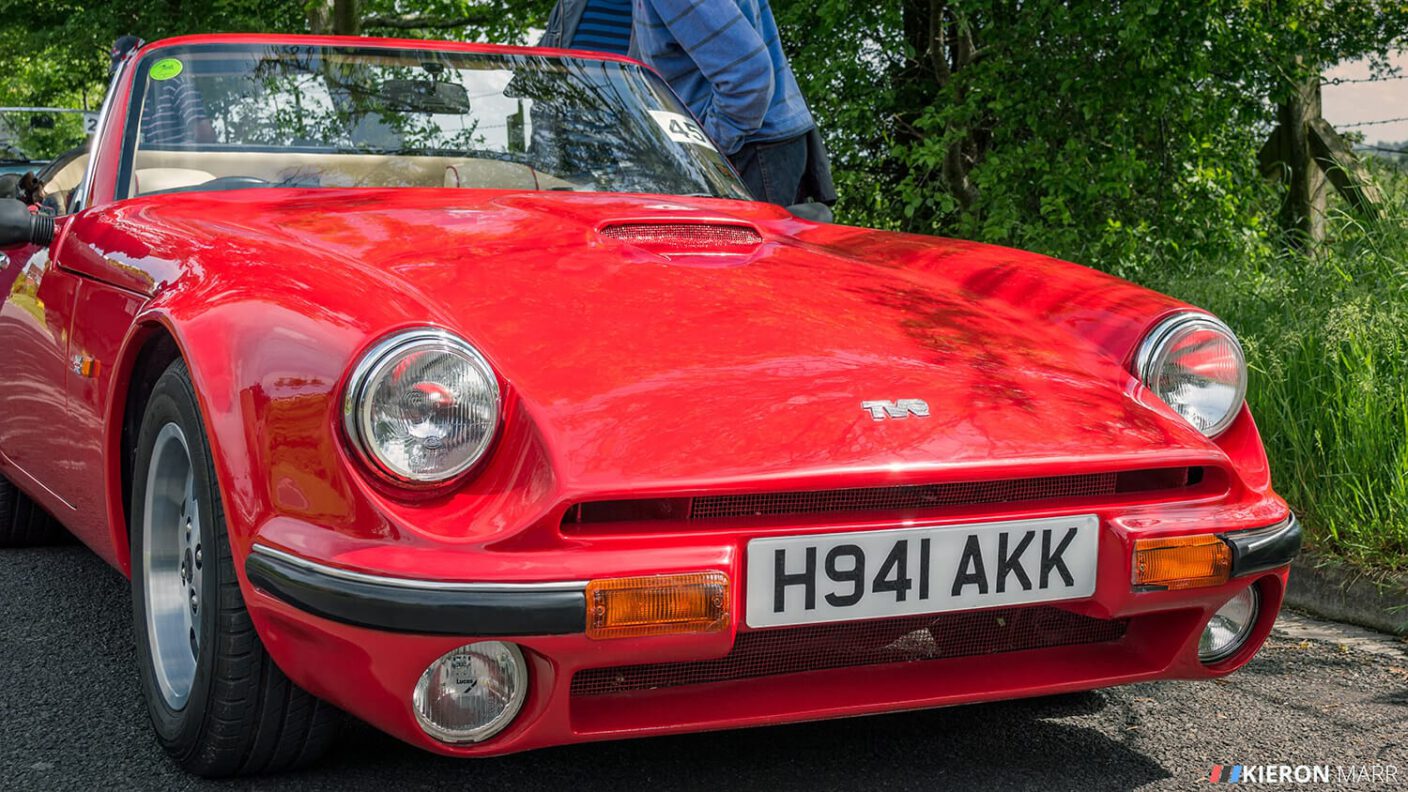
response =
{"points": [[319, 19], [346, 17], [940, 46], [915, 82], [335, 17]]}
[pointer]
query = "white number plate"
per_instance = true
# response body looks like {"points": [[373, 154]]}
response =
{"points": [[873, 574]]}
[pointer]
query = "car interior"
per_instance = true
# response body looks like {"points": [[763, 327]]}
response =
{"points": [[62, 177], [174, 170]]}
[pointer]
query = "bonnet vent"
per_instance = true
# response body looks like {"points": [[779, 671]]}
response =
{"points": [[668, 238]]}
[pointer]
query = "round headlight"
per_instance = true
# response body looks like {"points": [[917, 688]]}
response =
{"points": [[422, 407], [472, 693], [1229, 628], [1195, 365]]}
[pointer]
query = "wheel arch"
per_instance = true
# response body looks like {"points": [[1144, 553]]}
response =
{"points": [[150, 348], [266, 378], [154, 343]]}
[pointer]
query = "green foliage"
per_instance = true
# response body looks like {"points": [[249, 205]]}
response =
{"points": [[57, 50], [844, 54], [1112, 133], [501, 21], [41, 142]]}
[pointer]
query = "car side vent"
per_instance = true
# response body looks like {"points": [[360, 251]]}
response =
{"points": [[686, 237]]}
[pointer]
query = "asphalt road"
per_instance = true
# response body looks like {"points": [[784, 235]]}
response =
{"points": [[71, 718]]}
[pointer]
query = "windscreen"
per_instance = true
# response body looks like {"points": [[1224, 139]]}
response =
{"points": [[220, 117]]}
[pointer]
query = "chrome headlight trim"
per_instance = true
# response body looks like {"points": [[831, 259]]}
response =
{"points": [[1165, 331], [371, 364]]}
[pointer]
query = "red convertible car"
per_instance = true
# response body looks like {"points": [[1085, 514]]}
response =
{"points": [[463, 389]]}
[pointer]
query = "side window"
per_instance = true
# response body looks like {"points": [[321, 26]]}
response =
{"points": [[62, 180]]}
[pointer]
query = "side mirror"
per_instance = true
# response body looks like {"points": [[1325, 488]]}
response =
{"points": [[19, 227], [816, 212]]}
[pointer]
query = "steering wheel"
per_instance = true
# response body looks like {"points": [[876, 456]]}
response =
{"points": [[233, 183]]}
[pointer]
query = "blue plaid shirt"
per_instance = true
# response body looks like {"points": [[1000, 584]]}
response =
{"points": [[724, 58]]}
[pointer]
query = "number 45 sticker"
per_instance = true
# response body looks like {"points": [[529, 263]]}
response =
{"points": [[681, 128]]}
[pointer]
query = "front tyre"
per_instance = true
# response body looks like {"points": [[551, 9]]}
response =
{"points": [[218, 703]]}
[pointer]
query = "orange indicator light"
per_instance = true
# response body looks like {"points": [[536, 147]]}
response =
{"points": [[1182, 563], [663, 605]]}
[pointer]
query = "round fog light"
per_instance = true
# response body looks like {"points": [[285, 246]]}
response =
{"points": [[472, 693], [1229, 628]]}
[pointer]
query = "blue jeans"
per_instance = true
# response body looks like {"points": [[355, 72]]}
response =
{"points": [[787, 172]]}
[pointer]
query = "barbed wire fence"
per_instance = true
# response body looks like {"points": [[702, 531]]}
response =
{"points": [[1379, 122], [1376, 78], [1358, 80]]}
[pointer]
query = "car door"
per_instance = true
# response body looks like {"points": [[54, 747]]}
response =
{"points": [[35, 318], [60, 334]]}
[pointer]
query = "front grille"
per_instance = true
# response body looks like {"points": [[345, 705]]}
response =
{"points": [[896, 501], [793, 650], [716, 507]]}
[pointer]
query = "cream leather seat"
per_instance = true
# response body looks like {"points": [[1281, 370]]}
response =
{"points": [[482, 174], [150, 180]]}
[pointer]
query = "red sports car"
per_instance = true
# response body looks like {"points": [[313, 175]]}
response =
{"points": [[463, 389]]}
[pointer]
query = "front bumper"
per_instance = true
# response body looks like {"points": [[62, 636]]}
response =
{"points": [[506, 610], [361, 640]]}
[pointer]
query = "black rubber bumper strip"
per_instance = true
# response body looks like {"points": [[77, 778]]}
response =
{"points": [[1264, 548], [427, 608]]}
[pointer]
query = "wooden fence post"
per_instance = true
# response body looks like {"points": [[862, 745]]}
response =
{"points": [[1303, 213], [1347, 173], [1306, 152]]}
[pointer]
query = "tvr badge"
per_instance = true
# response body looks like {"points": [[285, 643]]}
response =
{"points": [[903, 408]]}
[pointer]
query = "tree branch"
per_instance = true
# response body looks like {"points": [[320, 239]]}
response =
{"points": [[938, 42], [964, 51]]}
